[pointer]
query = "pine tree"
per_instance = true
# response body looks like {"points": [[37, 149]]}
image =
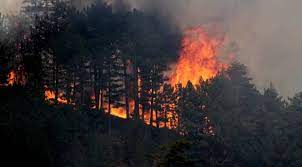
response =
{"points": [[37, 8], [295, 103], [114, 84], [41, 46], [242, 92], [272, 101], [145, 91], [6, 51], [102, 42], [167, 102], [188, 110], [157, 81]]}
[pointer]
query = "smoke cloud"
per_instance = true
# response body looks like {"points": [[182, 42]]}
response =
{"points": [[268, 33], [14, 6], [10, 6]]}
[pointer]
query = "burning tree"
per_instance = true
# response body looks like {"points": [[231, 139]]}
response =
{"points": [[198, 57], [90, 62]]}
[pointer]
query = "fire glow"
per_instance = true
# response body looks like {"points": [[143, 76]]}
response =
{"points": [[198, 58], [11, 78], [50, 96]]}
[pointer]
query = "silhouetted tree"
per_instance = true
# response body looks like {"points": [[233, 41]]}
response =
{"points": [[295, 103], [272, 100], [167, 106]]}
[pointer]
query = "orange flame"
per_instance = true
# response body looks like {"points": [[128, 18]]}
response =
{"points": [[119, 112], [50, 96], [198, 57], [11, 78]]}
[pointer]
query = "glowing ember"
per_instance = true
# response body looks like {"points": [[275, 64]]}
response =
{"points": [[119, 112], [198, 58], [50, 96], [11, 78]]}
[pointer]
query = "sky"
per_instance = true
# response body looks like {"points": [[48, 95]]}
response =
{"points": [[10, 6], [268, 33]]}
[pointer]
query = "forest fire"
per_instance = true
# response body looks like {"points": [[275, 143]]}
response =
{"points": [[116, 111], [119, 112], [11, 78], [50, 96], [198, 57], [121, 83]]}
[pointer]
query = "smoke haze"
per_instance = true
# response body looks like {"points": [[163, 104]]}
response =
{"points": [[10, 6], [268, 33]]}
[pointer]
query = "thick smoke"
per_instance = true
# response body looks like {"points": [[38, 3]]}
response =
{"points": [[268, 33]]}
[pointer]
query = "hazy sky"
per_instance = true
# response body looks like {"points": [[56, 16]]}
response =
{"points": [[267, 32], [10, 6]]}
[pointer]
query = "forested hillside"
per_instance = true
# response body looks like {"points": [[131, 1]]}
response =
{"points": [[113, 86]]}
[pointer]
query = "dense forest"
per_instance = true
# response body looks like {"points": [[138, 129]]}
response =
{"points": [[91, 87]]}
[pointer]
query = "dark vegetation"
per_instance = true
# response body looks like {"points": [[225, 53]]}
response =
{"points": [[224, 121]]}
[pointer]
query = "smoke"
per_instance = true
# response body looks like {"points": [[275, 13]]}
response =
{"points": [[13, 7], [10, 6], [268, 33]]}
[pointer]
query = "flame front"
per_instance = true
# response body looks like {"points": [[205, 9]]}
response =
{"points": [[198, 58]]}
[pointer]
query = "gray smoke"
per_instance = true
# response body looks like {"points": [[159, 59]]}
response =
{"points": [[13, 7], [10, 6], [268, 33]]}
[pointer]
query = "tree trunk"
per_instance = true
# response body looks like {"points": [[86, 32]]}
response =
{"points": [[126, 89], [68, 87], [151, 107], [96, 88], [109, 101], [156, 118], [136, 94], [74, 87], [102, 99], [166, 118], [56, 83], [81, 81], [143, 112]]}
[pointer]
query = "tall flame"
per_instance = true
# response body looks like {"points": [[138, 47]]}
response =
{"points": [[198, 57]]}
